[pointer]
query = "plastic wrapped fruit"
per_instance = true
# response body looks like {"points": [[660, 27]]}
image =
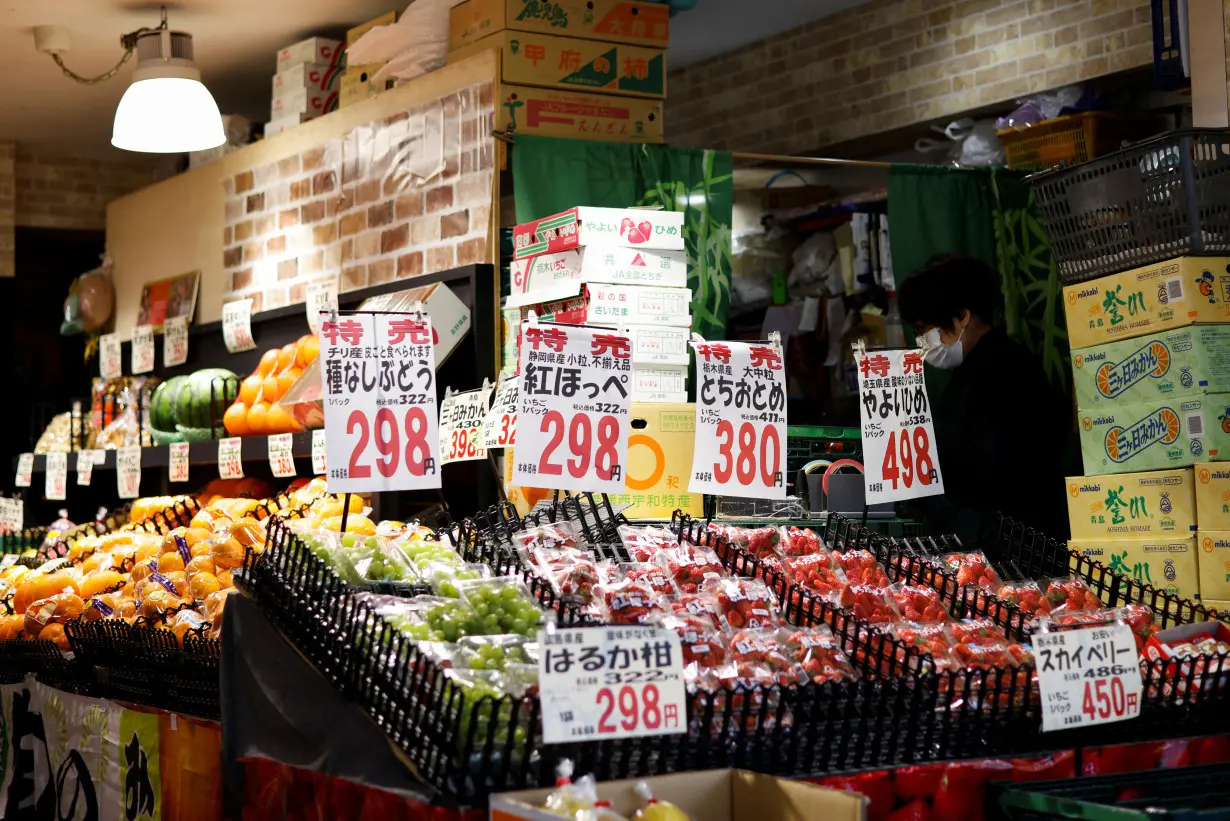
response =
{"points": [[552, 536], [934, 640], [1071, 594], [972, 568], [702, 642], [1026, 595], [977, 631], [744, 603], [650, 574], [819, 573], [796, 541], [689, 565], [643, 543], [760, 648], [818, 652], [873, 605], [916, 603], [625, 601], [758, 542], [695, 604], [861, 567]]}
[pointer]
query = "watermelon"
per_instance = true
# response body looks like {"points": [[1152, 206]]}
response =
{"points": [[162, 404], [192, 402]]}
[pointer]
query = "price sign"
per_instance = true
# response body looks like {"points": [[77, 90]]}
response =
{"points": [[175, 341], [461, 425], [899, 459], [1087, 676], [318, 451], [281, 455], [25, 466], [500, 423], [12, 515], [230, 458], [575, 414], [381, 421], [603, 682], [142, 349], [237, 326], [86, 460], [128, 472], [740, 420], [321, 298], [55, 480], [109, 362], [179, 461]]}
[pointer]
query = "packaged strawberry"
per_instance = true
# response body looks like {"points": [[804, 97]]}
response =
{"points": [[820, 574], [625, 601], [576, 580], [651, 574], [743, 603], [934, 639], [1071, 594], [703, 643], [798, 541], [1140, 618], [761, 647], [972, 568], [873, 605], [643, 543], [557, 535], [977, 631], [982, 656], [861, 567], [695, 604], [818, 652], [1027, 595], [768, 569], [917, 603], [757, 542], [689, 564]]}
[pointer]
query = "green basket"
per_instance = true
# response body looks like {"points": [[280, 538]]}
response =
{"points": [[805, 443]]}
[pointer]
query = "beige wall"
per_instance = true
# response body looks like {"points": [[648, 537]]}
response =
{"points": [[73, 192]]}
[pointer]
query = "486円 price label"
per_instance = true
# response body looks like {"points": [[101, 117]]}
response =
{"points": [[1087, 676]]}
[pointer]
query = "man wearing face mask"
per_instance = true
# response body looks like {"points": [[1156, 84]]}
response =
{"points": [[1000, 430]]}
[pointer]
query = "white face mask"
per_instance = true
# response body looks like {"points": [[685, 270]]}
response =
{"points": [[939, 355]]}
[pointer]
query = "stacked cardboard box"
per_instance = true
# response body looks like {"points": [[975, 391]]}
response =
{"points": [[357, 84], [306, 83]]}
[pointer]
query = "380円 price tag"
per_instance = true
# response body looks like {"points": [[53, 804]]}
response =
{"points": [[575, 408], [740, 420], [610, 682], [379, 385], [461, 425], [1087, 676], [899, 458], [500, 424]]}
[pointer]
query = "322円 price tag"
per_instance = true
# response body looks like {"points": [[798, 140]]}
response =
{"points": [[740, 420], [610, 682], [381, 421], [1087, 676], [461, 425], [899, 458], [500, 424], [576, 408]]}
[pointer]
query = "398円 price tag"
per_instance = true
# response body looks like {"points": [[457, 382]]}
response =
{"points": [[55, 481], [230, 458], [379, 387], [178, 462], [25, 467], [237, 326], [1087, 676], [320, 298], [110, 365], [175, 341], [899, 458], [500, 423], [740, 420], [128, 472], [461, 425], [12, 515], [281, 455], [610, 682], [318, 452], [142, 349], [575, 411]]}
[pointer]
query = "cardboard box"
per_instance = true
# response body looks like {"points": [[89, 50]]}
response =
{"points": [[570, 64], [623, 305], [1177, 363], [1148, 300], [313, 78], [552, 113], [709, 795], [659, 345], [568, 311], [388, 18], [1220, 605], [660, 461], [1155, 435], [1213, 496], [612, 21], [357, 87], [638, 228], [278, 125], [560, 275], [309, 103], [1169, 565], [1158, 504], [659, 384], [311, 50], [1214, 559]]}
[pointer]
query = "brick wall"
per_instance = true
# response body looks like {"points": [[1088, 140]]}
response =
{"points": [[392, 200], [72, 192], [895, 63]]}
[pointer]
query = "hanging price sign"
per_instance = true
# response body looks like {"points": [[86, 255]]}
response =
{"points": [[128, 472], [12, 515], [109, 361], [740, 420], [175, 341], [461, 420], [321, 298], [500, 423], [179, 461], [142, 349], [1087, 676], [899, 459], [230, 458], [318, 451], [601, 682], [281, 455], [55, 480], [86, 460], [237, 326], [25, 467], [575, 408], [381, 421]]}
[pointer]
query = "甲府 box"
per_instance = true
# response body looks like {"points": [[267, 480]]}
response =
{"points": [[1175, 363], [1155, 435], [612, 21], [547, 277], [1167, 564], [1213, 496], [550, 112], [640, 228], [1156, 504]]}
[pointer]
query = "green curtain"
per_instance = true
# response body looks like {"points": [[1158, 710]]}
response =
{"points": [[552, 175]]}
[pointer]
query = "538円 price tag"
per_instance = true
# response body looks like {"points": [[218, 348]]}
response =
{"points": [[379, 383], [461, 425], [575, 408], [1087, 676]]}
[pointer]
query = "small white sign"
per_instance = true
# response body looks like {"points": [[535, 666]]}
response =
{"points": [[9, 560], [318, 451], [128, 472], [630, 684], [55, 481], [237, 326], [175, 341], [12, 515], [178, 470], [321, 298], [1087, 676], [142, 349], [86, 460], [461, 425], [25, 467], [110, 364], [281, 455], [500, 423], [230, 458]]}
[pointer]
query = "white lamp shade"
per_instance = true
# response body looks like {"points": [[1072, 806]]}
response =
{"points": [[167, 115]]}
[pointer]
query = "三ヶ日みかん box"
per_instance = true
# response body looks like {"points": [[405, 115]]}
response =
{"points": [[1156, 504], [1164, 433], [1176, 363]]}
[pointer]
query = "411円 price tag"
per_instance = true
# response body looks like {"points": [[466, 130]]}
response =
{"points": [[1087, 676]]}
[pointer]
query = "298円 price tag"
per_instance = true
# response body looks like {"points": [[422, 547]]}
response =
{"points": [[610, 682], [899, 458], [175, 341], [110, 365], [55, 481], [740, 420], [500, 424], [461, 425], [576, 408], [379, 385], [1087, 676], [142, 349]]}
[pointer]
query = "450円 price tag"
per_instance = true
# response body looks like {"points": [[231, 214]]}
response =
{"points": [[1087, 676]]}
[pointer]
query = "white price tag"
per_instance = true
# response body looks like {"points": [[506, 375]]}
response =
{"points": [[128, 472], [25, 466], [500, 423], [230, 458], [142, 349], [318, 451], [55, 480], [321, 298], [381, 420], [178, 469], [1087, 676], [175, 341], [899, 457], [740, 420], [8, 561], [12, 515], [461, 426], [281, 455], [636, 689], [86, 459], [109, 360], [237, 326]]}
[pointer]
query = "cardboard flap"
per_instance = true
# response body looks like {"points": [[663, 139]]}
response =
{"points": [[756, 796]]}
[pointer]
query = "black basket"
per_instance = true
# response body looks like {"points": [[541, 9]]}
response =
{"points": [[1159, 199], [43, 659]]}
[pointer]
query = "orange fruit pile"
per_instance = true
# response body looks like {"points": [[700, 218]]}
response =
{"points": [[256, 411]]}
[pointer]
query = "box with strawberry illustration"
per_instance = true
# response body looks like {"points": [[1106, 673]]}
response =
{"points": [[576, 227], [560, 275]]}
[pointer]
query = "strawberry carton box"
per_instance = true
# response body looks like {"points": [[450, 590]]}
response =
{"points": [[560, 275], [1194, 652], [623, 305], [583, 225]]}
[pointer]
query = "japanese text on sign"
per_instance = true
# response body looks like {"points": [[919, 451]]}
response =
{"points": [[575, 408], [175, 341], [321, 298], [142, 349], [55, 481], [281, 455], [899, 457], [740, 420], [128, 472], [610, 682], [25, 467], [500, 423], [178, 471], [110, 365], [318, 451], [237, 326], [12, 515], [461, 420], [86, 460], [379, 384], [230, 458], [1087, 676]]}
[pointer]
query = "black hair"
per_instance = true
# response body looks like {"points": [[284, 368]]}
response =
{"points": [[947, 285]]}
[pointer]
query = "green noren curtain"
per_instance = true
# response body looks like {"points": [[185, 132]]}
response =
{"points": [[552, 175]]}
